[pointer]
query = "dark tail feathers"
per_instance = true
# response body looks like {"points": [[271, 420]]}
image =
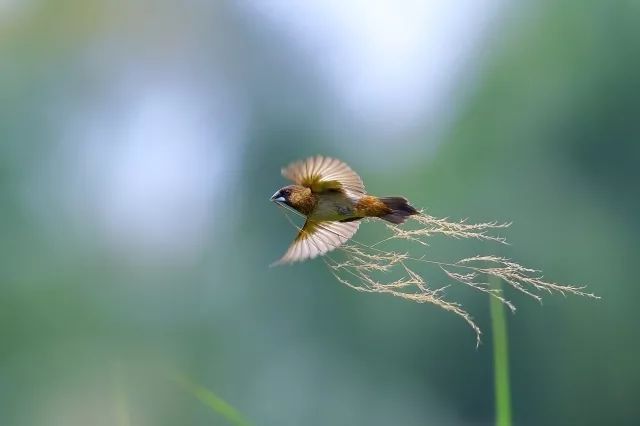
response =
{"points": [[400, 209]]}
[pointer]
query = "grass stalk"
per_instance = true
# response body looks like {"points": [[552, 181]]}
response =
{"points": [[123, 417], [502, 386], [212, 401]]}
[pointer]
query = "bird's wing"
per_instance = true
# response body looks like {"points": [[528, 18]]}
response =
{"points": [[318, 238], [323, 173]]}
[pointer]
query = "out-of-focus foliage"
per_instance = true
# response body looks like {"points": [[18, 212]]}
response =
{"points": [[141, 141]]}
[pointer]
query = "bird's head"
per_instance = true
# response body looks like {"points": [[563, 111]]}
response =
{"points": [[295, 196]]}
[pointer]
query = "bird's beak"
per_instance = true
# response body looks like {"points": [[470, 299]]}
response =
{"points": [[277, 198]]}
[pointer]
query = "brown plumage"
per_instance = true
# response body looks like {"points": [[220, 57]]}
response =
{"points": [[332, 198]]}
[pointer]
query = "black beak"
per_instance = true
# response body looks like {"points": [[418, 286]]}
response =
{"points": [[278, 198]]}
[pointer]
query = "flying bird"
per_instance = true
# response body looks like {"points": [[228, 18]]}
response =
{"points": [[333, 200]]}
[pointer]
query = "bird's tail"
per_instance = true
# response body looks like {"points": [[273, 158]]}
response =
{"points": [[400, 209]]}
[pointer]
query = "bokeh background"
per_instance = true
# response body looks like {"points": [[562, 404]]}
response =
{"points": [[140, 142]]}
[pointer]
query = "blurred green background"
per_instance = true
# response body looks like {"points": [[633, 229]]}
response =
{"points": [[140, 142]]}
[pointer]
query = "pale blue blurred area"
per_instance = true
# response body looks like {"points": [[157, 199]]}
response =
{"points": [[141, 142]]}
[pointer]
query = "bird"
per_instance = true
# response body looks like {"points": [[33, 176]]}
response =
{"points": [[332, 198]]}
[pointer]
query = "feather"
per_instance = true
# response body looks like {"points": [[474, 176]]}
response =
{"points": [[318, 238], [322, 174]]}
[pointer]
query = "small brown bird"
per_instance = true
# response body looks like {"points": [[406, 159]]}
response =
{"points": [[332, 198]]}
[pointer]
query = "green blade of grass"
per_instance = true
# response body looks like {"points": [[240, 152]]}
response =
{"points": [[500, 359], [211, 400], [123, 417]]}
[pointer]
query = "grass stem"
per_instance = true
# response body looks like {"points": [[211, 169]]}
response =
{"points": [[211, 400], [502, 387], [123, 417]]}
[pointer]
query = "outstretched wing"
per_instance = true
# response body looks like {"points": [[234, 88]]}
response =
{"points": [[323, 173], [318, 238]]}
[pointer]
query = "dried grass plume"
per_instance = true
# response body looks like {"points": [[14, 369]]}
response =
{"points": [[374, 269]]}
